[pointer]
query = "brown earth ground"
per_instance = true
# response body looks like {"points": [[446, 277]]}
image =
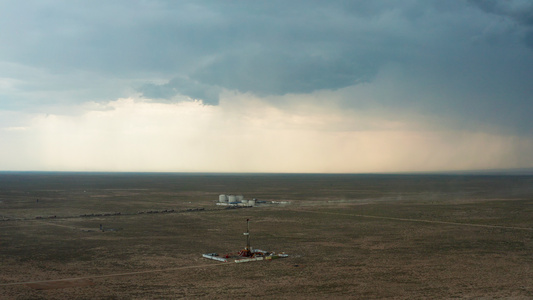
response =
{"points": [[347, 237]]}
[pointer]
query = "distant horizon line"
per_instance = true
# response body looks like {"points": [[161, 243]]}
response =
{"points": [[510, 171]]}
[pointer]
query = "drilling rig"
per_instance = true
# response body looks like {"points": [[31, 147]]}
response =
{"points": [[247, 254]]}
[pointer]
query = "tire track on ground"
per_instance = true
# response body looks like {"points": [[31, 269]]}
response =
{"points": [[420, 220], [112, 275]]}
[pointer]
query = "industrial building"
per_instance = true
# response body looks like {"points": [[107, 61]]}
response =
{"points": [[239, 201], [236, 200]]}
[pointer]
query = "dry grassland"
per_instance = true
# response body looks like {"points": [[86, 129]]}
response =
{"points": [[366, 237]]}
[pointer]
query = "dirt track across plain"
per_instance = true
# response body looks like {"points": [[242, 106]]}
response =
{"points": [[113, 275], [419, 220]]}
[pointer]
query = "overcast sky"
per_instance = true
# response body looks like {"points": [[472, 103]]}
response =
{"points": [[266, 86]]}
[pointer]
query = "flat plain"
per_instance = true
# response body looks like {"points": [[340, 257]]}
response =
{"points": [[347, 236]]}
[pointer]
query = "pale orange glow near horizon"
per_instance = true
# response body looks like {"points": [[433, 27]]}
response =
{"points": [[242, 134]]}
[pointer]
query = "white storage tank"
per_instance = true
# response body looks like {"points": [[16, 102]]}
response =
{"points": [[251, 202], [232, 198], [222, 198], [240, 198]]}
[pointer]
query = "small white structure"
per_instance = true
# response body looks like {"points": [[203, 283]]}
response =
{"points": [[232, 198], [214, 256], [281, 202], [223, 199]]}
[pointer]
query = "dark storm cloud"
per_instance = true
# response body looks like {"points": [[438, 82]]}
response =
{"points": [[266, 48], [277, 73], [193, 89], [465, 60], [520, 12]]}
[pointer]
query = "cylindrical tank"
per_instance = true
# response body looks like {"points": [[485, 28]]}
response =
{"points": [[222, 198], [240, 198], [232, 198], [251, 202]]}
